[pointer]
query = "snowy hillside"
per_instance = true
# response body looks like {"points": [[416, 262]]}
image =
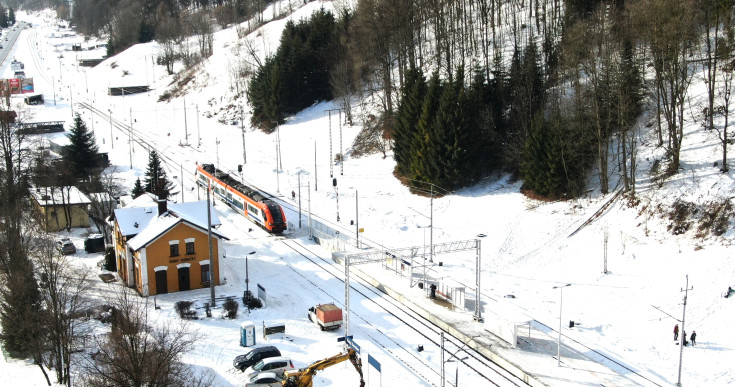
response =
{"points": [[531, 246]]}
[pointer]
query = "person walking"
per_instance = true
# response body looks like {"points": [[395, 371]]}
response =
{"points": [[676, 332], [693, 338]]}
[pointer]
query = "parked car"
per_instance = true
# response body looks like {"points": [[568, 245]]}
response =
{"points": [[66, 246], [276, 364], [249, 359], [264, 379]]}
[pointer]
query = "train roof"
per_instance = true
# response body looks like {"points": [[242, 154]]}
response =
{"points": [[236, 184]]}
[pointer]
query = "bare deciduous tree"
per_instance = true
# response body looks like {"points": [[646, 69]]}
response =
{"points": [[64, 290], [140, 352], [667, 26]]}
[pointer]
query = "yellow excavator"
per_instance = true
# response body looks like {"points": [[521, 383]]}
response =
{"points": [[304, 376]]}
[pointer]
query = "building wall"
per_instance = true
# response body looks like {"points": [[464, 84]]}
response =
{"points": [[158, 254], [54, 217], [124, 264]]}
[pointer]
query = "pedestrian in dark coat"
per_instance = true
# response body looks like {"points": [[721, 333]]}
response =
{"points": [[693, 338], [676, 332], [432, 293], [684, 336]]}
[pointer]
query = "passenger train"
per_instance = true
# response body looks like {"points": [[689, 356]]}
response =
{"points": [[243, 199]]}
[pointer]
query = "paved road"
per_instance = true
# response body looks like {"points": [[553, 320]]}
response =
{"points": [[10, 35]]}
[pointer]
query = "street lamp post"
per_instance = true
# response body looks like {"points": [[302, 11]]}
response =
{"points": [[451, 359], [558, 342]]}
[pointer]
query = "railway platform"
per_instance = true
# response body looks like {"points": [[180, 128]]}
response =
{"points": [[533, 359]]}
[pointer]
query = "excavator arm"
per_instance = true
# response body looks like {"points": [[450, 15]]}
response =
{"points": [[304, 376]]}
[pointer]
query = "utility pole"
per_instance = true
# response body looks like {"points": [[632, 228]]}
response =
{"points": [[341, 154], [130, 139], [199, 136], [683, 332], [112, 137], [278, 176], [242, 129], [431, 226], [331, 161], [443, 383], [278, 137], [315, 179], [604, 252], [299, 181], [336, 194], [209, 237], [186, 127], [181, 167]]}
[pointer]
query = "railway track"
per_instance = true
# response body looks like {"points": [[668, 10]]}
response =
{"points": [[486, 369], [174, 157]]}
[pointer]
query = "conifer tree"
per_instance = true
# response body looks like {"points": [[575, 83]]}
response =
{"points": [[81, 153], [156, 180], [409, 111], [21, 313], [421, 164], [445, 136], [137, 189]]}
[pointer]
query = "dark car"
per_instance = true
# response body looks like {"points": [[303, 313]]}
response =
{"points": [[249, 359], [65, 246]]}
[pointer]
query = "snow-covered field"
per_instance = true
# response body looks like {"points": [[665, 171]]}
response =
{"points": [[528, 250]]}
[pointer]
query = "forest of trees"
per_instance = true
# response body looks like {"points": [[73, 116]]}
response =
{"points": [[536, 88], [548, 90], [546, 113]]}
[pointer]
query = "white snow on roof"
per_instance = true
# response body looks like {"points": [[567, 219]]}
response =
{"points": [[145, 223], [49, 196]]}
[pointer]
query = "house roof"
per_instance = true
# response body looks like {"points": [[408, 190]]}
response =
{"points": [[49, 196], [146, 225]]}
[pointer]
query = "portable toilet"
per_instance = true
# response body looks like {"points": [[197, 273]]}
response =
{"points": [[247, 334]]}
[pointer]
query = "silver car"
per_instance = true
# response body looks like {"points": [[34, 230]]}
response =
{"points": [[276, 365], [264, 379]]}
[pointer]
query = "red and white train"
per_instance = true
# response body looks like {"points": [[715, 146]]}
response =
{"points": [[243, 199]]}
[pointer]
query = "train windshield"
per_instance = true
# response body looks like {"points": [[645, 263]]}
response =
{"points": [[276, 213]]}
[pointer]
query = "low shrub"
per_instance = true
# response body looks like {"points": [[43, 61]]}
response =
{"points": [[230, 307], [251, 302], [183, 308]]}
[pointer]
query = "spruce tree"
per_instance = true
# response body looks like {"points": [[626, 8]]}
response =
{"points": [[421, 168], [409, 111], [156, 181], [445, 135], [81, 153], [137, 189], [21, 313]]}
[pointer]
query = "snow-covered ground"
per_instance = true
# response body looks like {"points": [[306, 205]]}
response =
{"points": [[624, 313]]}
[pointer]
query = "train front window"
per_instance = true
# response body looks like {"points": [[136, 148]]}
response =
{"points": [[275, 213]]}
